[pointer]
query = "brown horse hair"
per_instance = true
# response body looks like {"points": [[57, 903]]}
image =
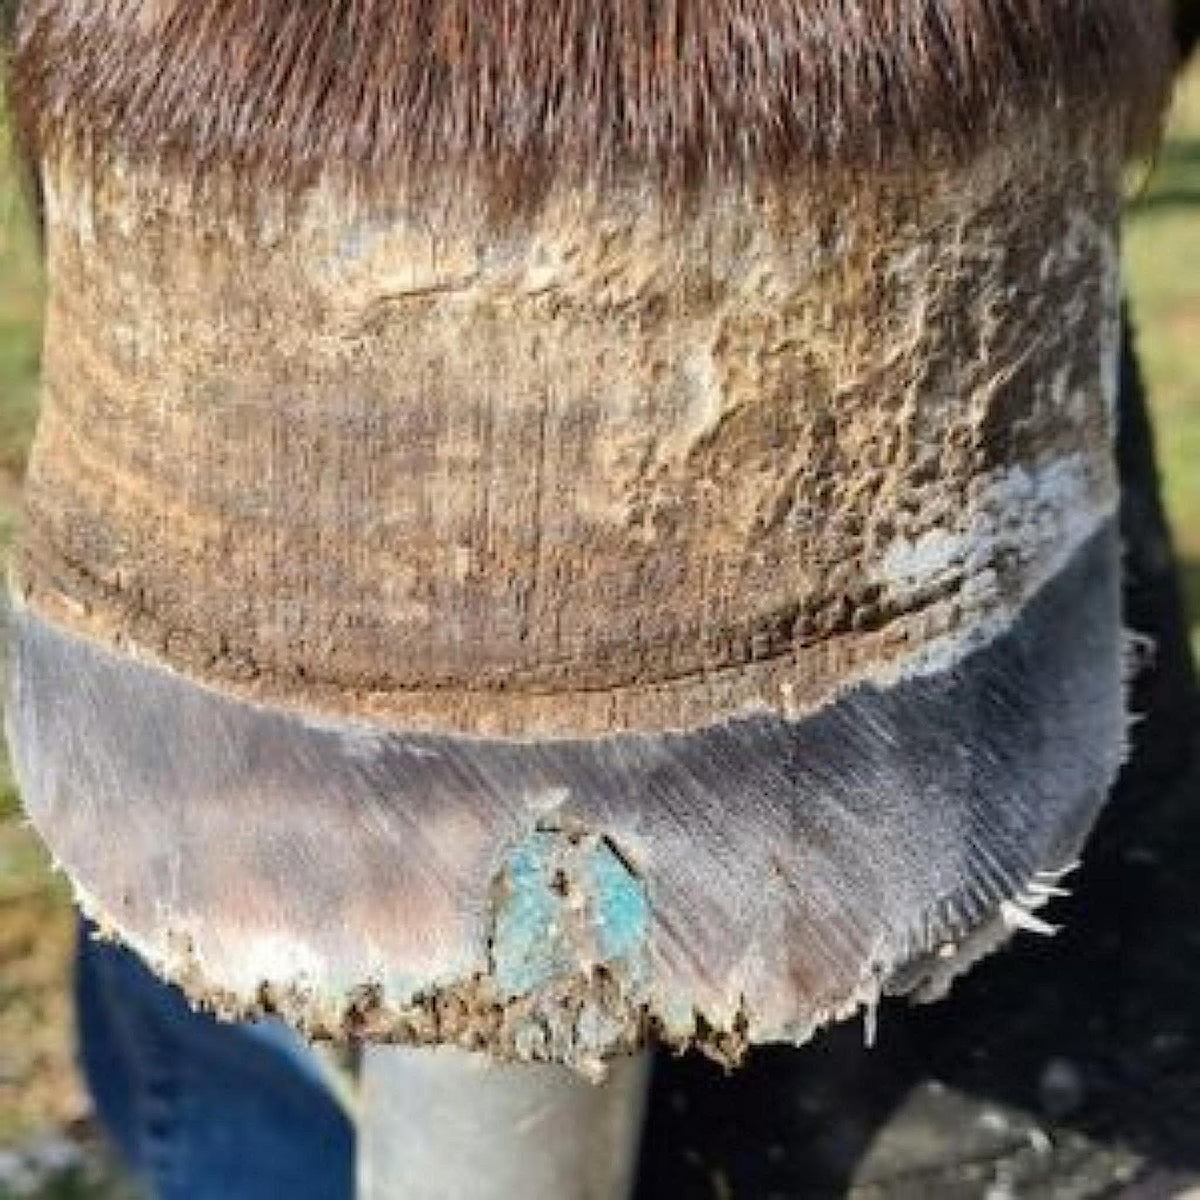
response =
{"points": [[515, 94]]}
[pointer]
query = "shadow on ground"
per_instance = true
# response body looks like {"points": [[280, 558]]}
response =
{"points": [[1189, 582], [1177, 165]]}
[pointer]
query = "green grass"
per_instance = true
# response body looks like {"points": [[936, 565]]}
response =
{"points": [[20, 341], [38, 1087], [1162, 259], [20, 324]]}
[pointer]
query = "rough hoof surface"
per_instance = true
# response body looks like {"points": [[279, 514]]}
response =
{"points": [[745, 882]]}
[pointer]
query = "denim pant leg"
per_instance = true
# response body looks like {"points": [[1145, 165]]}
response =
{"points": [[202, 1109]]}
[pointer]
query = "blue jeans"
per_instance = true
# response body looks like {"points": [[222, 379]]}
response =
{"points": [[199, 1109]]}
